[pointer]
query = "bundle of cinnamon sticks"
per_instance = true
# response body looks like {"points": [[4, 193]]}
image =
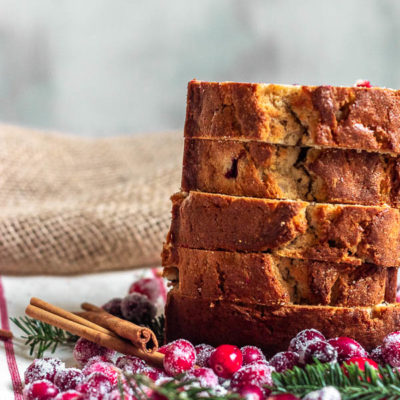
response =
{"points": [[100, 327]]}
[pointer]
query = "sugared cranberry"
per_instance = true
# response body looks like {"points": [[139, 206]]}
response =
{"points": [[251, 392], [299, 343], [283, 396], [398, 295], [113, 307], [116, 395], [180, 356], [347, 348], [40, 390], [253, 374], [153, 373], [326, 393], [152, 288], [205, 376], [85, 350], [322, 351], [96, 387], [137, 308], [130, 364], [360, 362], [98, 359], [251, 354], [108, 369], [43, 368], [391, 349], [377, 356], [68, 378], [226, 360], [69, 395], [363, 83], [203, 354], [284, 360], [163, 348]]}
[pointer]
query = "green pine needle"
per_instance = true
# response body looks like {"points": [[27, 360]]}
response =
{"points": [[41, 336], [157, 325], [356, 384], [175, 389]]}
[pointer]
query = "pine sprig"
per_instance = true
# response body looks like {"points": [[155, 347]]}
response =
{"points": [[355, 384], [177, 388], [42, 337]]}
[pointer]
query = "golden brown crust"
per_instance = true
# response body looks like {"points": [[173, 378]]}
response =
{"points": [[271, 328], [335, 233], [258, 169], [339, 117], [259, 278]]}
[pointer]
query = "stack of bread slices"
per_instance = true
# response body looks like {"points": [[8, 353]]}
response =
{"points": [[288, 216]]}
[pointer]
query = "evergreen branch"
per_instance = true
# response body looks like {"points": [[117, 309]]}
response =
{"points": [[41, 336], [178, 388], [352, 383]]}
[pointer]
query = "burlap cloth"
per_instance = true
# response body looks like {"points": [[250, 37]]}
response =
{"points": [[73, 205]]}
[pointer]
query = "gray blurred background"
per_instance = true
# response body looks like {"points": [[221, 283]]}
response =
{"points": [[105, 67]]}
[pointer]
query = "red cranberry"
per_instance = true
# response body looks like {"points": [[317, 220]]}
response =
{"points": [[113, 307], [284, 360], [96, 387], [203, 354], [163, 349], [98, 359], [377, 356], [226, 360], [363, 83], [251, 392], [152, 288], [398, 295], [299, 343], [360, 362], [153, 373], [84, 350], [137, 308], [180, 356], [205, 376], [251, 354], [391, 349], [43, 368], [69, 378], [108, 369], [116, 395], [347, 348], [326, 393], [253, 374], [322, 351], [69, 395], [283, 396], [130, 364], [40, 390]]}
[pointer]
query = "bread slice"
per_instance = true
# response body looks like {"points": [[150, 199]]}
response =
{"points": [[328, 232], [259, 169], [271, 328], [258, 278], [339, 117]]}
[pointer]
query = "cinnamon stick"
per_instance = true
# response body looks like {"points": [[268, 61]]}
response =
{"points": [[94, 335], [5, 334], [140, 336], [68, 315]]}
